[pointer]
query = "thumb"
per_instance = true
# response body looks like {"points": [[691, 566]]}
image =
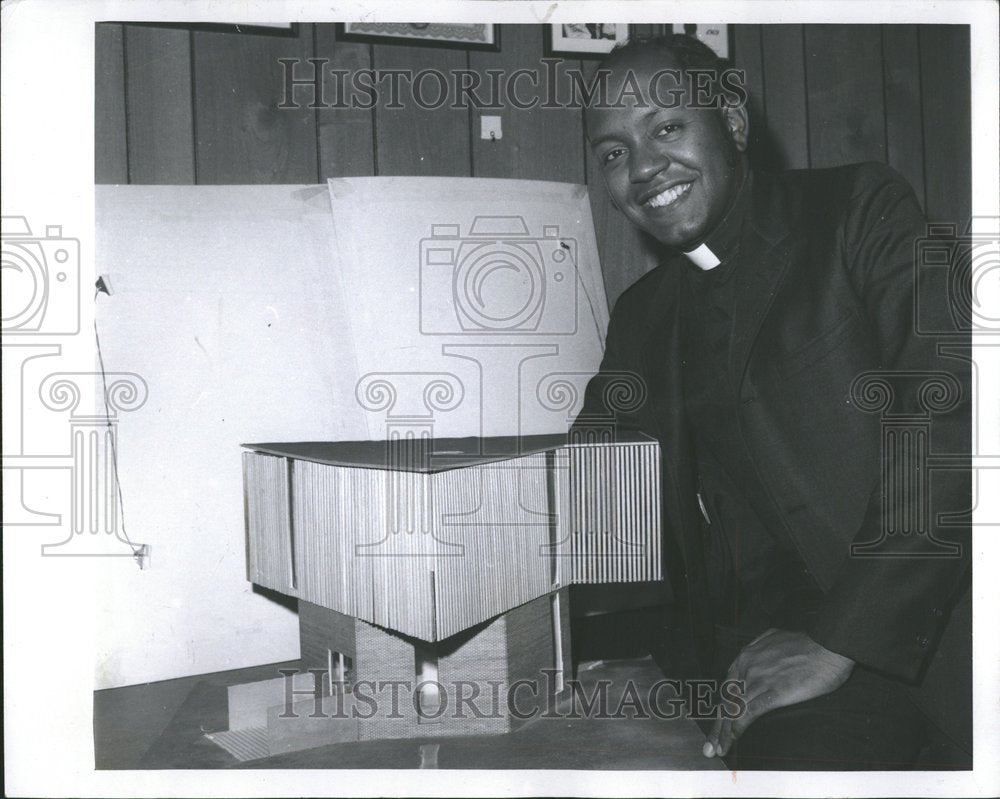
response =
{"points": [[711, 747]]}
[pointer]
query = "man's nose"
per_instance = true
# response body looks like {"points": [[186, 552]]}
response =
{"points": [[647, 162]]}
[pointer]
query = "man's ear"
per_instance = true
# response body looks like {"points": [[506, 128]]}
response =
{"points": [[737, 125]]}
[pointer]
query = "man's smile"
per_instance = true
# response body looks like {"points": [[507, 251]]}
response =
{"points": [[668, 196]]}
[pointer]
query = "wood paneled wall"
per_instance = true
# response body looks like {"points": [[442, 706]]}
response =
{"points": [[181, 106]]}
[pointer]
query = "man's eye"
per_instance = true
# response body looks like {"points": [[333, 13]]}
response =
{"points": [[669, 129], [614, 154]]}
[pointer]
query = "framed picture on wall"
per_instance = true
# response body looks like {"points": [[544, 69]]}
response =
{"points": [[715, 36], [584, 38], [466, 36], [286, 29]]}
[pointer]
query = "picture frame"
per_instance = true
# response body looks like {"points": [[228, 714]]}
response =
{"points": [[718, 37], [590, 39], [464, 36], [288, 30]]}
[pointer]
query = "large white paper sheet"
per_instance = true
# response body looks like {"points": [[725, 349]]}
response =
{"points": [[476, 305], [225, 303]]}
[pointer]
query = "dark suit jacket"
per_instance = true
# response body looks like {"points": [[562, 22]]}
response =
{"points": [[826, 293]]}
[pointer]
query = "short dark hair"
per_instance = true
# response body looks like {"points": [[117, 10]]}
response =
{"points": [[681, 52], [685, 52]]}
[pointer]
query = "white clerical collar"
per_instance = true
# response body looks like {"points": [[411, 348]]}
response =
{"points": [[703, 258]]}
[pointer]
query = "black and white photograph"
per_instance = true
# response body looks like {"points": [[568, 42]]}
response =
{"points": [[715, 36], [584, 38], [498, 404]]}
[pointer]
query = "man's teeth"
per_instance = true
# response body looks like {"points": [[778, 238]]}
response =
{"points": [[669, 196]]}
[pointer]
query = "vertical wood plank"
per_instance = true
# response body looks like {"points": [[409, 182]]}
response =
{"points": [[904, 134], [785, 94], [417, 141], [748, 58], [345, 135], [242, 136], [160, 115], [537, 143], [110, 138], [946, 81], [844, 90]]}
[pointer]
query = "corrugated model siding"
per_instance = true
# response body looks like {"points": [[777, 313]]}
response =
{"points": [[614, 523], [430, 555], [267, 522], [492, 522], [363, 559]]}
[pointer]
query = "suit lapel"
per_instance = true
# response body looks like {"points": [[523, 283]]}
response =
{"points": [[766, 246], [661, 355]]}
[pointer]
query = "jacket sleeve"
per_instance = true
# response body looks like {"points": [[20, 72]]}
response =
{"points": [[614, 395], [885, 610]]}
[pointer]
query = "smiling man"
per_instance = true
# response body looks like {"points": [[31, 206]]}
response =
{"points": [[679, 206], [774, 295]]}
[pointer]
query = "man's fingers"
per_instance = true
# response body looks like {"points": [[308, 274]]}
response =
{"points": [[718, 739], [756, 707], [725, 738], [726, 731], [712, 742]]}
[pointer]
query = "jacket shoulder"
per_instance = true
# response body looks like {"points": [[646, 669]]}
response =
{"points": [[640, 295], [848, 182]]}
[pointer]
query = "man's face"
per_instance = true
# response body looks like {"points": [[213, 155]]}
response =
{"points": [[673, 171]]}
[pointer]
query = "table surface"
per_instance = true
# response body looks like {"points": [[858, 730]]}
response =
{"points": [[163, 725]]}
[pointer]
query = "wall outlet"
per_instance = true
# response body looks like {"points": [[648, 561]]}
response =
{"points": [[490, 128]]}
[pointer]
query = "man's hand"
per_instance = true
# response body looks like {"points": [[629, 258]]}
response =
{"points": [[779, 668]]}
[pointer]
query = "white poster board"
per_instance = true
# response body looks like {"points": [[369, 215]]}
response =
{"points": [[480, 304]]}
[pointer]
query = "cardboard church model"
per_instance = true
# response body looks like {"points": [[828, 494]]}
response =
{"points": [[436, 566], [430, 333]]}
